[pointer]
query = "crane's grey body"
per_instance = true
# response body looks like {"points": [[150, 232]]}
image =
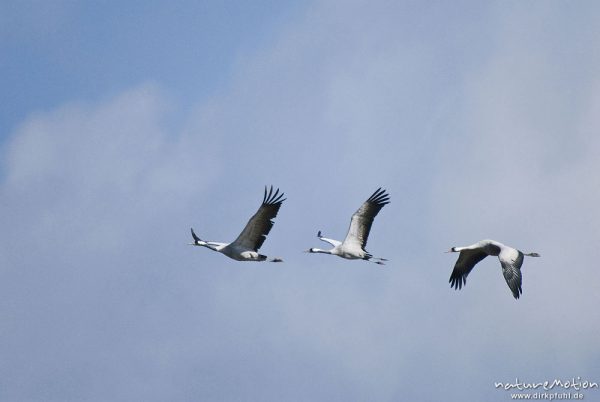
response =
{"points": [[353, 246], [245, 247], [510, 258]]}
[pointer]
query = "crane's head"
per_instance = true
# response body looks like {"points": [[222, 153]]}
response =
{"points": [[310, 250]]}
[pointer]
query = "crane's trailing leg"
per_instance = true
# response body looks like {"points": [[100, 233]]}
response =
{"points": [[375, 260]]}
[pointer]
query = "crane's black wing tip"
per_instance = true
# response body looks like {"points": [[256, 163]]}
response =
{"points": [[273, 198], [196, 238], [517, 292], [457, 282], [379, 197]]}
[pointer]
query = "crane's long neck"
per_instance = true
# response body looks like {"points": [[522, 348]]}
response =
{"points": [[459, 249], [207, 244], [319, 250]]}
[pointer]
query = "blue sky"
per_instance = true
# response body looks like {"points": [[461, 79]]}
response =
{"points": [[123, 125], [65, 50]]}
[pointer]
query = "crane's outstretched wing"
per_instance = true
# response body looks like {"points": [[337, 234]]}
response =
{"points": [[465, 263], [334, 243], [259, 226], [511, 269], [360, 224]]}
